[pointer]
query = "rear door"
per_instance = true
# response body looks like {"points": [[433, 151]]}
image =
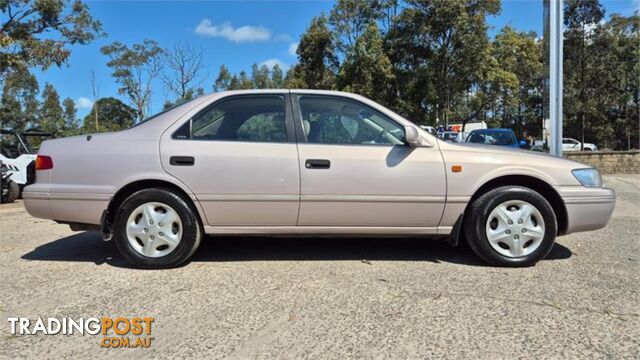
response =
{"points": [[239, 157], [357, 171]]}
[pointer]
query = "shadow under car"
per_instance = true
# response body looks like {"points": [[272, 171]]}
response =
{"points": [[89, 247]]}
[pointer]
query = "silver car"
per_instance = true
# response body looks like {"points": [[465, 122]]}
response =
{"points": [[307, 162]]}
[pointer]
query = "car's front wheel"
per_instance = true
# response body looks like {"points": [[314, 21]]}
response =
{"points": [[511, 226], [156, 228]]}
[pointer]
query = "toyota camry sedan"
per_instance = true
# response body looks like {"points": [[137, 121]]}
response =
{"points": [[303, 162]]}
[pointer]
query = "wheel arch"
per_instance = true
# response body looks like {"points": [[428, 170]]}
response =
{"points": [[540, 186], [130, 188]]}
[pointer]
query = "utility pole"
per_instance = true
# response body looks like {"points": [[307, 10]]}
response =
{"points": [[553, 20], [95, 91]]}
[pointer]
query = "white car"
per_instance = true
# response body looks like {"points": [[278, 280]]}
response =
{"points": [[570, 144], [430, 129], [18, 154]]}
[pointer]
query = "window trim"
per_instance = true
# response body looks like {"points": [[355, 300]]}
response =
{"points": [[288, 116], [297, 115], [151, 117]]}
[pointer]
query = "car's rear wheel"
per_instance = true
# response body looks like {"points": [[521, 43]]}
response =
{"points": [[511, 226], [156, 228]]}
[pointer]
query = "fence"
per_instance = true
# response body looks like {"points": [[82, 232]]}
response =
{"points": [[609, 162]]}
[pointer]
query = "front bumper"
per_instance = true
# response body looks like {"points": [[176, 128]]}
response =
{"points": [[587, 208]]}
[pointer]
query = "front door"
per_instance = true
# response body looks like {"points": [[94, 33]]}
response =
{"points": [[356, 170], [239, 157]]}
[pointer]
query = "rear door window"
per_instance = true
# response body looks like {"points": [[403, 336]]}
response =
{"points": [[244, 118]]}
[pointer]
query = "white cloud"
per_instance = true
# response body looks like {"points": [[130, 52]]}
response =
{"points": [[282, 37], [84, 103], [245, 33], [293, 47], [636, 5], [272, 62]]}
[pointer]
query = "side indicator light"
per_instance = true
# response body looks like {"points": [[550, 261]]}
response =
{"points": [[456, 168], [44, 162]]}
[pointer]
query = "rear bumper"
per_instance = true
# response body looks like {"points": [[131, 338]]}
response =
{"points": [[587, 208], [65, 207]]}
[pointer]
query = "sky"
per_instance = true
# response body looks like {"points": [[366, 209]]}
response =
{"points": [[234, 33]]}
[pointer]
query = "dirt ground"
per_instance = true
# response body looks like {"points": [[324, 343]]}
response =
{"points": [[331, 298]]}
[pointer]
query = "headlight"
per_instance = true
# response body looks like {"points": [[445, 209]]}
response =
{"points": [[588, 177]]}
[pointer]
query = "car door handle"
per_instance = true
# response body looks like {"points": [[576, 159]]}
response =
{"points": [[182, 160], [317, 164]]}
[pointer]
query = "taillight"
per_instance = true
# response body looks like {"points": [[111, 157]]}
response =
{"points": [[44, 162]]}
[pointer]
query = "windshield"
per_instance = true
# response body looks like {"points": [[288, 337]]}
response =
{"points": [[11, 146], [33, 141], [491, 138]]}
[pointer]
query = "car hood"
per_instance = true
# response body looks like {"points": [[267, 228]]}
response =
{"points": [[500, 150], [492, 161]]}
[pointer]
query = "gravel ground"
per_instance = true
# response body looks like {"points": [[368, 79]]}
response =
{"points": [[331, 298]]}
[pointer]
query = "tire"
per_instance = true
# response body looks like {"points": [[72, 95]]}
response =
{"points": [[518, 239], [142, 237], [13, 192]]}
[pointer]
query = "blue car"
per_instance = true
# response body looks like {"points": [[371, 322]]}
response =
{"points": [[500, 137]]}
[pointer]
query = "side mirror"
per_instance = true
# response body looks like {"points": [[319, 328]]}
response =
{"points": [[412, 136]]}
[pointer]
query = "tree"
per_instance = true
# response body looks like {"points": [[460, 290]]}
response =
{"points": [[135, 69], [185, 66], [317, 62], [244, 82], [350, 18], [440, 50], [70, 116], [295, 78], [613, 70], [189, 95], [40, 33], [260, 77], [223, 80], [389, 10], [581, 17], [115, 116], [19, 102], [367, 70], [623, 35], [234, 83], [50, 113], [515, 80], [277, 77]]}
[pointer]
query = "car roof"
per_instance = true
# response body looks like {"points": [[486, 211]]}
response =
{"points": [[492, 130], [222, 94], [279, 91], [168, 118]]}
